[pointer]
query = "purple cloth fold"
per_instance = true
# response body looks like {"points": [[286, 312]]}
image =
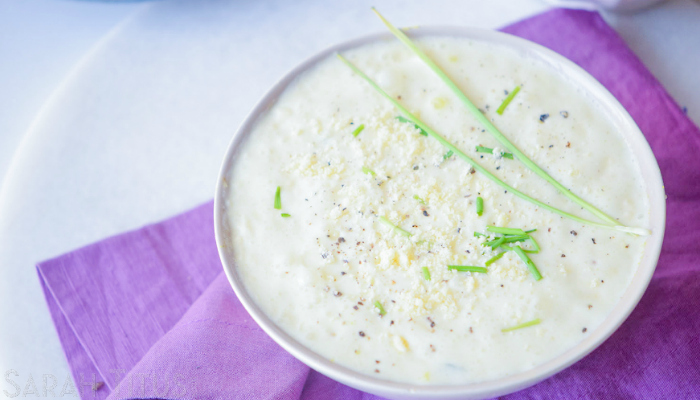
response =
{"points": [[150, 314]]}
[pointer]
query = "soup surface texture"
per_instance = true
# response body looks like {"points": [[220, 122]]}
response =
{"points": [[330, 271]]}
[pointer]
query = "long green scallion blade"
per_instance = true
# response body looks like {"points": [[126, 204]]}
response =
{"points": [[479, 168], [499, 136]]}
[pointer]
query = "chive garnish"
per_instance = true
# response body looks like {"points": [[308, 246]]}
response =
{"points": [[477, 234], [426, 273], [467, 268], [285, 215], [507, 100], [611, 222], [523, 325], [447, 155], [381, 309], [479, 168], [495, 243], [494, 258], [402, 119], [531, 230], [482, 149], [519, 238], [536, 247], [530, 265], [368, 171], [479, 207], [358, 130], [278, 198], [394, 227], [509, 231], [415, 196]]}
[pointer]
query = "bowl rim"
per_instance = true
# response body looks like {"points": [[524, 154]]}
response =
{"points": [[507, 384]]}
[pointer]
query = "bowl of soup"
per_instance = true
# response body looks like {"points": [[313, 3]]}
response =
{"points": [[374, 254]]}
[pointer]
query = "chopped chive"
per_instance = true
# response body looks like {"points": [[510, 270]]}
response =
{"points": [[381, 309], [426, 273], [278, 198], [535, 246], [479, 206], [358, 130], [482, 149], [495, 243], [494, 258], [368, 171], [403, 119], [485, 172], [507, 100], [508, 231], [531, 230], [611, 223], [530, 265], [415, 196], [467, 268], [477, 234], [518, 238], [521, 326], [448, 155], [285, 215], [394, 227]]}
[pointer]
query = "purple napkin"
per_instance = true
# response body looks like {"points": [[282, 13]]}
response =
{"points": [[149, 314]]}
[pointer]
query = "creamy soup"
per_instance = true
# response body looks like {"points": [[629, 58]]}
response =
{"points": [[330, 268]]}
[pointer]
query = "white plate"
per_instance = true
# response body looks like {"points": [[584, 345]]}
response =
{"points": [[620, 119]]}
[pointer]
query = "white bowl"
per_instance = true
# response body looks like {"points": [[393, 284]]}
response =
{"points": [[395, 390]]}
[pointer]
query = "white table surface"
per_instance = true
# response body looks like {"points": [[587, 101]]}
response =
{"points": [[113, 116]]}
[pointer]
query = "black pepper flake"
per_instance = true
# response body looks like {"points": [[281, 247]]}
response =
{"points": [[355, 307], [593, 239], [337, 293], [563, 255], [551, 145], [341, 240], [343, 272], [564, 114], [360, 303], [574, 233], [432, 324], [499, 167], [361, 334], [543, 117], [391, 323], [459, 229], [501, 285], [415, 167], [584, 330], [425, 213]]}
